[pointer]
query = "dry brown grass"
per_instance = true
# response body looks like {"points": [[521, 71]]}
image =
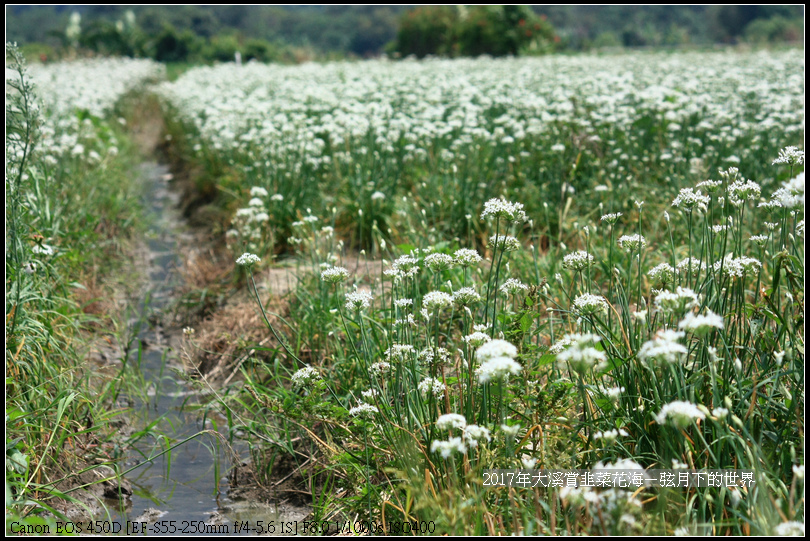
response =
{"points": [[205, 267], [226, 337]]}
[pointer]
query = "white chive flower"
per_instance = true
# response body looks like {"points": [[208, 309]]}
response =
{"points": [[581, 354], [560, 345], [662, 273], [451, 420], [513, 286], [577, 261], [789, 529], [305, 377], [495, 349], [379, 368], [690, 266], [738, 267], [431, 355], [466, 296], [790, 195], [711, 186], [476, 339], [664, 348], [465, 257], [247, 259], [611, 218], [759, 240], [620, 464], [403, 303], [474, 434], [789, 156], [357, 300], [632, 243], [610, 435], [398, 352], [447, 448], [614, 394], [741, 191], [498, 368], [689, 200], [682, 299], [431, 386], [507, 243], [436, 300], [335, 275], [701, 324], [364, 411], [501, 208], [587, 304], [438, 262], [679, 414], [528, 462]]}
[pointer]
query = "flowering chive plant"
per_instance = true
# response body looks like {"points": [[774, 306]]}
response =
{"points": [[628, 338]]}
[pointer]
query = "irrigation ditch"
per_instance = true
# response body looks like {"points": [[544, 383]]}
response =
{"points": [[181, 465]]}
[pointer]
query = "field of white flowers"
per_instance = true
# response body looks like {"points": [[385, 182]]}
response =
{"points": [[578, 272], [354, 138], [586, 261], [77, 97]]}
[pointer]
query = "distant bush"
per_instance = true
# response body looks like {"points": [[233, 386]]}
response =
{"points": [[260, 50], [427, 30], [41, 52], [774, 30], [501, 30], [221, 48], [473, 31], [171, 46]]}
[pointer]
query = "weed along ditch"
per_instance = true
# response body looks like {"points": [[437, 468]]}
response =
{"points": [[407, 296]]}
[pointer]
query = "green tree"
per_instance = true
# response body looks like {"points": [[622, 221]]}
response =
{"points": [[172, 46], [427, 30], [472, 31]]}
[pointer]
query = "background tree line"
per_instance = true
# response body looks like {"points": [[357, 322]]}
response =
{"points": [[297, 33]]}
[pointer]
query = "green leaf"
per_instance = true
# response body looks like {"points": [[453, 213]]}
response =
{"points": [[13, 443], [605, 404], [546, 359], [16, 461], [14, 414], [526, 322]]}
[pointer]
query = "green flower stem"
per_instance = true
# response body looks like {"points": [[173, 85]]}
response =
{"points": [[267, 321]]}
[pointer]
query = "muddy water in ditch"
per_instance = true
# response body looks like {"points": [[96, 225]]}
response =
{"points": [[187, 488]]}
